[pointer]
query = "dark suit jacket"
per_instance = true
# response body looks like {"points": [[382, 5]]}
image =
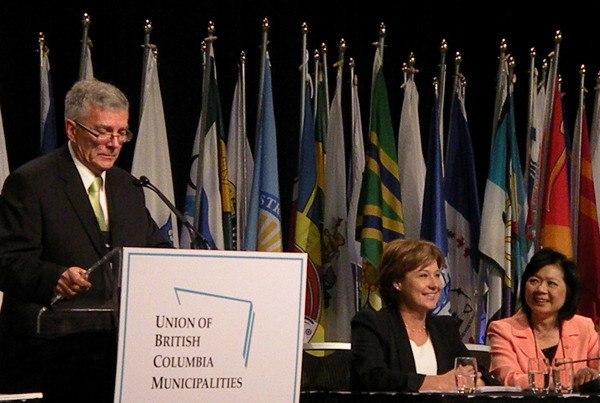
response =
{"points": [[381, 355], [47, 225]]}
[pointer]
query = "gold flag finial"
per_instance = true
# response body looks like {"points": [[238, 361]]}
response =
{"points": [[532, 52], [86, 21], [557, 36], [457, 59], [265, 25], [382, 30], [444, 46], [148, 26], [211, 28], [304, 28]]}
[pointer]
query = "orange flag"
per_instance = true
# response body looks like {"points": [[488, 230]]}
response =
{"points": [[555, 215]]}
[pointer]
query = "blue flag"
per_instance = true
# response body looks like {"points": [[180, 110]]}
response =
{"points": [[433, 220], [463, 218], [263, 229]]}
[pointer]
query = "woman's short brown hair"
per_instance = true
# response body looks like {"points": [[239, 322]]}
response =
{"points": [[400, 257]]}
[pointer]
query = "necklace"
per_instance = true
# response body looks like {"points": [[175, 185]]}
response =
{"points": [[416, 329]]}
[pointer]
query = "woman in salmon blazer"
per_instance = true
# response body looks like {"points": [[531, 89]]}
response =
{"points": [[546, 325]]}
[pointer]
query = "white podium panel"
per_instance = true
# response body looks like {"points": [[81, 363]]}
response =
{"points": [[210, 326]]}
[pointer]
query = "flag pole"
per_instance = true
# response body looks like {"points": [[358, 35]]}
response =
{"points": [[499, 99], [378, 61], [244, 190], [550, 88], [316, 57], [42, 49], [341, 53], [441, 95], [324, 51], [303, 73], [261, 81], [356, 269], [576, 161], [85, 22], [531, 103], [455, 89], [146, 50], [208, 41], [380, 43]]}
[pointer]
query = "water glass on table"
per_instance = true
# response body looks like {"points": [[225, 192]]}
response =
{"points": [[538, 374], [465, 374], [562, 375]]}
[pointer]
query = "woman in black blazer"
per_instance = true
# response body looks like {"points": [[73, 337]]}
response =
{"points": [[401, 347]]}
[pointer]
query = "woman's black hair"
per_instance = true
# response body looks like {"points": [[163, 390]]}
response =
{"points": [[545, 257]]}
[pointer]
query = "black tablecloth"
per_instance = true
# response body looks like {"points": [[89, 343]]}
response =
{"points": [[370, 397]]}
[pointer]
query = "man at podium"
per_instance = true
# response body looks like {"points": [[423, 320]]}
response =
{"points": [[59, 214]]}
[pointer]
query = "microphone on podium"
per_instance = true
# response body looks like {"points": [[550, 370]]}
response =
{"points": [[195, 235]]}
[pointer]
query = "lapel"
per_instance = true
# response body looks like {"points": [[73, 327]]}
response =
{"points": [[569, 338], [405, 354], [114, 207], [523, 334], [78, 198]]}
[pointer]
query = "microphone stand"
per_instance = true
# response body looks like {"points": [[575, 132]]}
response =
{"points": [[195, 235]]}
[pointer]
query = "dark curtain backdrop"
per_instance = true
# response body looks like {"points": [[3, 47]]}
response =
{"points": [[179, 27]]}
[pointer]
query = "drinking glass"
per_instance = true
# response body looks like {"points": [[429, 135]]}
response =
{"points": [[562, 375], [465, 374], [538, 375]]}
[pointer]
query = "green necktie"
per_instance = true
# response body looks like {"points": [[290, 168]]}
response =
{"points": [[94, 195]]}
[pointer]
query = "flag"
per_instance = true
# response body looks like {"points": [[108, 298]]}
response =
{"points": [[208, 210], [555, 216], [86, 69], [336, 260], [588, 234], [240, 161], [263, 229], [433, 222], [463, 218], [533, 167], [4, 170], [309, 224], [380, 217], [595, 144], [357, 167], [47, 114], [502, 241], [151, 155], [293, 205], [411, 164]]}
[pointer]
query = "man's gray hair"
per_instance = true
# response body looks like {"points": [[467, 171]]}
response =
{"points": [[86, 93]]}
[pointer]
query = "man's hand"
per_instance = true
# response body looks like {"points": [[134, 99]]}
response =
{"points": [[72, 282]]}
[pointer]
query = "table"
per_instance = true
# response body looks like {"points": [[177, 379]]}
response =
{"points": [[372, 397]]}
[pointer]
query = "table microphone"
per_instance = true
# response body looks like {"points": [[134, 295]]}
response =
{"points": [[195, 235]]}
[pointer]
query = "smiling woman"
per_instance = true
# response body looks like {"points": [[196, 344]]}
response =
{"points": [[402, 347], [546, 326]]}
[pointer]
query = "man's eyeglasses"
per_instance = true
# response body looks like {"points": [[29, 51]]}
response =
{"points": [[104, 136]]}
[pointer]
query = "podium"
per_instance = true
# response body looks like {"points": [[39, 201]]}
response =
{"points": [[197, 325], [98, 311]]}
